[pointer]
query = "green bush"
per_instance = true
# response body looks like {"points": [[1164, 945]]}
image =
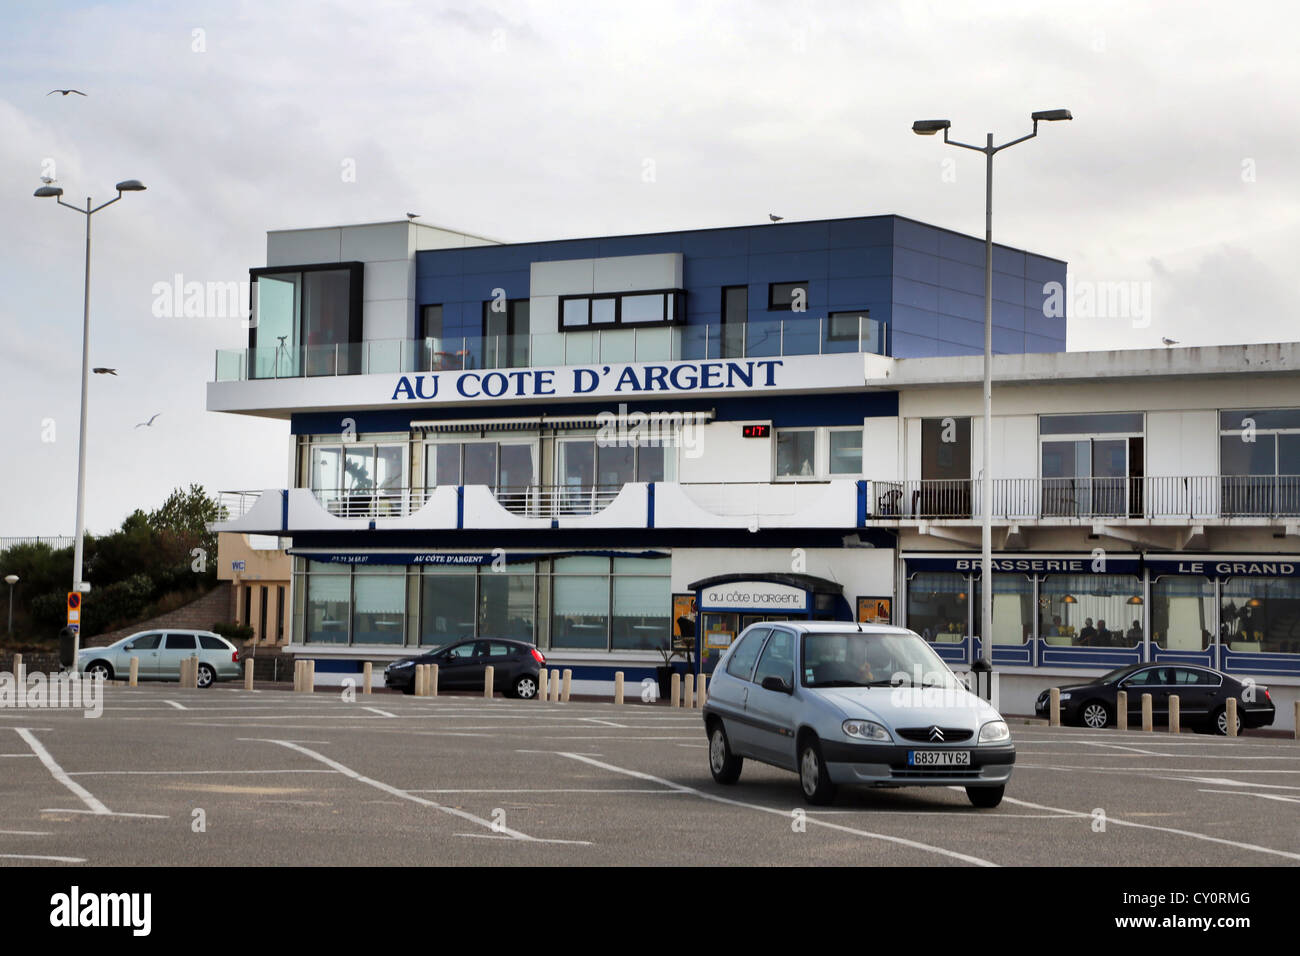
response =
{"points": [[233, 632]]}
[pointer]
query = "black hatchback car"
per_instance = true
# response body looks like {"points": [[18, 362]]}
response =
{"points": [[1202, 698], [516, 666]]}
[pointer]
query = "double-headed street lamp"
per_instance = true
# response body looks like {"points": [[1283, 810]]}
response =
{"points": [[54, 192], [929, 128]]}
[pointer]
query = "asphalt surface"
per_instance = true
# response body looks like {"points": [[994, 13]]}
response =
{"points": [[259, 778]]}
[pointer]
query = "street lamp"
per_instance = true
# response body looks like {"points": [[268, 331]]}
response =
{"points": [[55, 192], [11, 580], [929, 128]]}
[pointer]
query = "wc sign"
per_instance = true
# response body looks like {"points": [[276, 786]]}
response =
{"points": [[74, 608]]}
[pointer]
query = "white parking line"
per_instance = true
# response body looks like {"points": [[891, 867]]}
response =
{"points": [[60, 775], [150, 773], [671, 793], [1151, 826], [928, 848], [52, 859], [1250, 793], [176, 705], [407, 795], [381, 713], [26, 832]]}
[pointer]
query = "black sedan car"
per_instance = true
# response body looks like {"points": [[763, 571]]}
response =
{"points": [[1202, 698], [515, 667]]}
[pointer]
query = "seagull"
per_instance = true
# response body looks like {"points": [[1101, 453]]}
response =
{"points": [[65, 92], [774, 217], [1168, 341], [104, 371], [149, 422], [412, 215]]}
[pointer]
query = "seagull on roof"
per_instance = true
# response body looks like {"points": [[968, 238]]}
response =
{"points": [[48, 180], [104, 371], [65, 92], [149, 422], [774, 217], [1168, 341], [412, 215]]}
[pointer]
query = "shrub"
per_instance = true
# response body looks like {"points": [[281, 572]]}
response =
{"points": [[233, 632]]}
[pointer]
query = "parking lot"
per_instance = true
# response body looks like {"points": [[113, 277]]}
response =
{"points": [[232, 777]]}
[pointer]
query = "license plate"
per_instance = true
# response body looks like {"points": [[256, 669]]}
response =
{"points": [[938, 758]]}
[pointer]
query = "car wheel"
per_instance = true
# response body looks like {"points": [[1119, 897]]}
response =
{"points": [[813, 776], [100, 670], [723, 764], [1219, 722], [986, 797], [205, 676], [525, 687], [1095, 714]]}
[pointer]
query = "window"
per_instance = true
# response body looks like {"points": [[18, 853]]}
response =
{"points": [[279, 614], [850, 327], [642, 605], [1092, 465], [580, 603], [796, 453], [1259, 458], [624, 604], [589, 472], [181, 642], [378, 605], [846, 452], [447, 605], [938, 606], [358, 479], [505, 334], [945, 490], [741, 662], [1258, 615], [1013, 601], [788, 296], [428, 332], [148, 642], [248, 605], [261, 621], [306, 316], [628, 308], [735, 316], [1090, 610], [325, 618], [777, 659], [505, 602], [213, 643], [1182, 612]]}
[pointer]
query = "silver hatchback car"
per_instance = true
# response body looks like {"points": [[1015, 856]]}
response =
{"points": [[841, 703], [161, 653]]}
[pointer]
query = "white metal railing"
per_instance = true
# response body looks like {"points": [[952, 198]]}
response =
{"points": [[1180, 496], [760, 339], [236, 504], [536, 501]]}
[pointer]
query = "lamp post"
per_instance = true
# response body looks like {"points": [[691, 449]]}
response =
{"points": [[55, 192], [11, 580], [929, 128]]}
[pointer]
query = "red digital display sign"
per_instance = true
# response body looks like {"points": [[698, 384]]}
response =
{"points": [[756, 431]]}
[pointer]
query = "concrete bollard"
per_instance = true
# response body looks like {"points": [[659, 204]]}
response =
{"points": [[431, 680], [1121, 710], [701, 697], [1146, 712], [568, 684], [688, 692], [248, 673], [1174, 714], [367, 673], [419, 680], [555, 686], [1297, 720], [675, 691], [489, 674], [618, 688], [133, 678], [18, 668], [310, 686], [297, 676], [1232, 716], [1054, 710], [543, 684]]}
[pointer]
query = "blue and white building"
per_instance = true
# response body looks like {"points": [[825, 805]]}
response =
{"points": [[607, 445]]}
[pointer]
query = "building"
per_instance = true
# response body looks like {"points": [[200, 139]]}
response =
{"points": [[259, 571], [622, 445]]}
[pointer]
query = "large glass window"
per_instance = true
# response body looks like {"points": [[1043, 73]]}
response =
{"points": [[796, 453], [505, 333], [777, 659], [629, 308], [1261, 615], [642, 604], [846, 451], [447, 603], [1259, 458], [945, 470], [1092, 464], [308, 320], [787, 296], [1013, 603], [378, 605], [735, 317], [580, 603], [937, 605], [328, 604], [359, 478], [508, 468], [591, 471], [1091, 610], [505, 604], [1182, 612]]}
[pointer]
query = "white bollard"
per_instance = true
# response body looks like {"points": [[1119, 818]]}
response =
{"points": [[1054, 712], [1146, 712], [688, 692], [311, 677], [543, 684], [675, 691], [1121, 710], [555, 686], [431, 680], [367, 673], [568, 684], [133, 678], [702, 696], [489, 674], [618, 687], [248, 673], [419, 679], [1174, 711], [1232, 716]]}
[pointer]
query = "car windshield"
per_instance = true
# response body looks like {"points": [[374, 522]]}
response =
{"points": [[866, 659]]}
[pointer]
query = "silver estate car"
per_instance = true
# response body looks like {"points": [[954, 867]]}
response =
{"points": [[161, 653], [842, 703]]}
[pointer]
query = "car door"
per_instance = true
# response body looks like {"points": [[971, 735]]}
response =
{"points": [[727, 696], [175, 648], [145, 647], [457, 666], [1195, 689], [771, 712], [504, 660], [1153, 681]]}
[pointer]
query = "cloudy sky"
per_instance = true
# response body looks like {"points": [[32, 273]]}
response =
{"points": [[524, 121]]}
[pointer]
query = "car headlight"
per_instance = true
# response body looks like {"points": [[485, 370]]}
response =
{"points": [[994, 731], [1064, 697], [866, 730]]}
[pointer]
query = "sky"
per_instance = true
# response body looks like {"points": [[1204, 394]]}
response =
{"points": [[1176, 181]]}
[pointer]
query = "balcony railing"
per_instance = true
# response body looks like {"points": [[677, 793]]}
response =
{"points": [[532, 501], [763, 339], [1195, 496]]}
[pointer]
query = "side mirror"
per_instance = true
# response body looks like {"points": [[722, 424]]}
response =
{"points": [[772, 682]]}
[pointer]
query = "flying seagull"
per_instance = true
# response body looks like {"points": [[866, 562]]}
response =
{"points": [[149, 422], [774, 217], [65, 92], [104, 371], [1168, 341], [47, 179]]}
